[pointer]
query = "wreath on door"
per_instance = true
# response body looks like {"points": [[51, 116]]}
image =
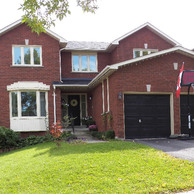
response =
{"points": [[74, 102]]}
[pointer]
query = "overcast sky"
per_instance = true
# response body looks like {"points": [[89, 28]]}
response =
{"points": [[117, 17]]}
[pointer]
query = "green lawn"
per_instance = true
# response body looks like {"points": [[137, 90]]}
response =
{"points": [[112, 167]]}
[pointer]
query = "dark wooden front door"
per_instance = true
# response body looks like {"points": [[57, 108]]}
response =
{"points": [[74, 108], [147, 116]]}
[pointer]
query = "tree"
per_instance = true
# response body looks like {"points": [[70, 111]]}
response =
{"points": [[41, 14]]}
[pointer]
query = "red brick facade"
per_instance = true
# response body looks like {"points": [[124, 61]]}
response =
{"points": [[48, 73], [108, 112]]}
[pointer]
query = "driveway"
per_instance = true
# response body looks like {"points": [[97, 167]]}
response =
{"points": [[183, 149]]}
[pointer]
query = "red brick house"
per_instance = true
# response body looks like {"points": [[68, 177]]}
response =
{"points": [[128, 85]]}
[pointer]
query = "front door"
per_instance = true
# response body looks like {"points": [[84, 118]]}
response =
{"points": [[74, 108]]}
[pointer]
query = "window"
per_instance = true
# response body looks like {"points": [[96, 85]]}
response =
{"points": [[143, 52], [28, 104], [84, 63], [27, 55]]}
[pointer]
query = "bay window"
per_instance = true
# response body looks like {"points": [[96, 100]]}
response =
{"points": [[28, 104]]}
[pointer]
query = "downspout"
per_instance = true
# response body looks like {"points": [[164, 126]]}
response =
{"points": [[54, 104], [60, 71]]}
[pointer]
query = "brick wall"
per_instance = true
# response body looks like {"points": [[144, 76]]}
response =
{"points": [[159, 72], [9, 74], [124, 51], [102, 58]]}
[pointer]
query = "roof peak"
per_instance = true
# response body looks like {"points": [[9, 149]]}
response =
{"points": [[153, 29]]}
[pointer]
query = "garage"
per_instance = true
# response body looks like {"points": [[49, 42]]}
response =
{"points": [[147, 116], [184, 113]]}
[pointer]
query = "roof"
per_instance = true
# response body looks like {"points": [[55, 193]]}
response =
{"points": [[153, 29], [74, 81], [17, 23], [83, 45], [108, 70]]}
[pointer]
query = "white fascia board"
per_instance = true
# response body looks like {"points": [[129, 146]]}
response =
{"points": [[103, 74], [69, 85], [138, 59], [19, 22], [56, 36], [11, 26], [153, 29]]}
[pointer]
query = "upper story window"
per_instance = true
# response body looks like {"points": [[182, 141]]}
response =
{"points": [[26, 55], [84, 62], [143, 52]]}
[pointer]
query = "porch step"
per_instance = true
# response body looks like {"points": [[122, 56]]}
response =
{"points": [[82, 133]]}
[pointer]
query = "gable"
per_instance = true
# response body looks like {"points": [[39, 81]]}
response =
{"points": [[18, 23]]}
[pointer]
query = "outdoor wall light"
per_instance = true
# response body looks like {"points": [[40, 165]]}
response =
{"points": [[148, 87], [26, 41], [90, 97], [145, 45], [175, 66], [119, 96]]}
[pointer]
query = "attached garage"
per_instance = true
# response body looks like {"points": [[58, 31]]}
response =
{"points": [[184, 113], [146, 116]]}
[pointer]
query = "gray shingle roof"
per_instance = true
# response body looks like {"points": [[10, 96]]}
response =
{"points": [[82, 45]]}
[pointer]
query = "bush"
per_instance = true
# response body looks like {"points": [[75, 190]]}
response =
{"points": [[104, 135], [32, 140], [109, 134], [8, 138]]}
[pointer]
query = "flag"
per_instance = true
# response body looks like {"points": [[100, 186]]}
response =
{"points": [[178, 89]]}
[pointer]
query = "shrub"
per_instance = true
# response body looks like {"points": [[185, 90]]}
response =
{"points": [[8, 138], [104, 135], [109, 134], [32, 140]]}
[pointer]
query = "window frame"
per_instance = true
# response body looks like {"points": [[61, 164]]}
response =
{"points": [[89, 54], [22, 55], [143, 50], [19, 104]]}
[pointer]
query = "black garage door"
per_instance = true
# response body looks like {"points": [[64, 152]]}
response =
{"points": [[184, 113], [147, 116]]}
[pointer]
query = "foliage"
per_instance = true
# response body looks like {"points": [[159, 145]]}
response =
{"points": [[56, 130], [41, 14], [93, 128], [88, 121], [8, 138], [110, 134], [32, 140], [109, 167]]}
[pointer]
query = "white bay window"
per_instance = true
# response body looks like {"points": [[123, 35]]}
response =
{"points": [[28, 106]]}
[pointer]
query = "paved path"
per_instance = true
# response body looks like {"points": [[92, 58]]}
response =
{"points": [[183, 149]]}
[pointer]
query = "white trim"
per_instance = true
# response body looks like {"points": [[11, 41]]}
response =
{"points": [[19, 22], [150, 56], [28, 85], [88, 55], [103, 108], [172, 114], [31, 47], [54, 105], [153, 29], [141, 50], [108, 102]]}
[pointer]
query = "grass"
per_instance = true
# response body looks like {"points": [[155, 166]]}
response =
{"points": [[112, 167]]}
